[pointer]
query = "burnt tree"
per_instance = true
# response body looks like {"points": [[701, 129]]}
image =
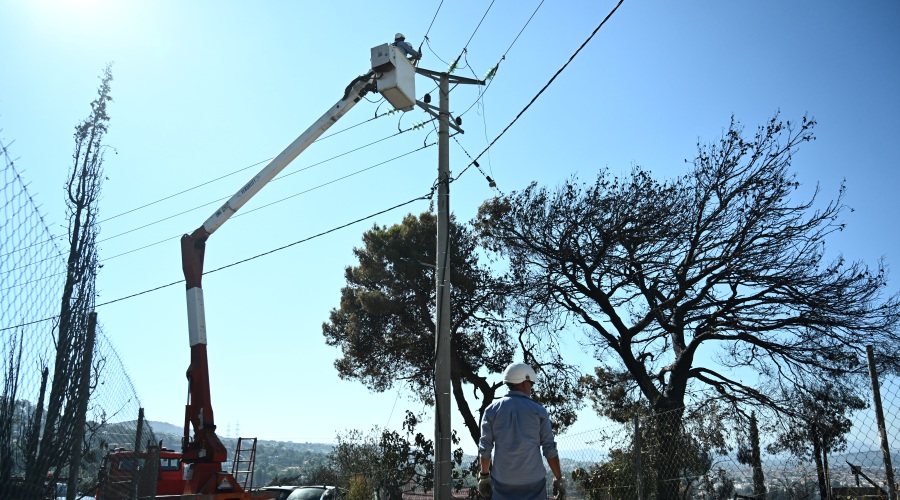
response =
{"points": [[728, 257], [65, 391]]}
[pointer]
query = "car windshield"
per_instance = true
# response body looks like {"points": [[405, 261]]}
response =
{"points": [[307, 493]]}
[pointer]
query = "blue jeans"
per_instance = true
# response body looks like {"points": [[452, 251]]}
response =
{"points": [[533, 491]]}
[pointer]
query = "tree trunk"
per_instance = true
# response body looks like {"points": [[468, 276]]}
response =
{"points": [[667, 459], [759, 481], [34, 477], [820, 469], [8, 412]]}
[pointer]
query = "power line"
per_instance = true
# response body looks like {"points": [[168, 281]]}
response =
{"points": [[52, 237], [232, 173], [242, 261], [160, 200], [521, 30], [338, 179], [425, 37], [432, 23], [478, 26], [219, 200], [475, 161], [493, 71], [462, 53]]}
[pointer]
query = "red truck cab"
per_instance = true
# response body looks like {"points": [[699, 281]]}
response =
{"points": [[157, 471]]}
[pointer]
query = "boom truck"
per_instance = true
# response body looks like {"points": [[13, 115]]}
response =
{"points": [[393, 76]]}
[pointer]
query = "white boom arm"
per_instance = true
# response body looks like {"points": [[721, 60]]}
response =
{"points": [[354, 93], [203, 453]]}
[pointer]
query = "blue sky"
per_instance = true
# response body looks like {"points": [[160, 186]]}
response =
{"points": [[203, 89]]}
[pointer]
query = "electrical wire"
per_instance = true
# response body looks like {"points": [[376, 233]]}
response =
{"points": [[425, 39], [205, 183], [478, 26], [489, 76], [547, 85], [493, 71], [221, 199], [242, 261], [432, 23], [455, 64], [234, 172], [428, 42], [520, 31], [217, 201]]}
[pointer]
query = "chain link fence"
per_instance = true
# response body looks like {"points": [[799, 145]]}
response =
{"points": [[684, 454], [32, 270]]}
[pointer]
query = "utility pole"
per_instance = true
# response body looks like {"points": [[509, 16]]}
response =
{"points": [[442, 444]]}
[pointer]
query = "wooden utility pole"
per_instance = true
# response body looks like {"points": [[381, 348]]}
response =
{"points": [[442, 444]]}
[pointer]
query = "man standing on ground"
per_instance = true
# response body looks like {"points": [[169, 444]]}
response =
{"points": [[517, 429]]}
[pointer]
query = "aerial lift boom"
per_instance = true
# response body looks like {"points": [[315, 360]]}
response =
{"points": [[392, 75]]}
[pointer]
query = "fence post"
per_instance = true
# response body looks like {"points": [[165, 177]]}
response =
{"points": [[882, 428], [638, 463], [81, 417], [138, 470]]}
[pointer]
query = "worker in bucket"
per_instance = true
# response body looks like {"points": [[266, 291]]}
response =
{"points": [[407, 49], [517, 430]]}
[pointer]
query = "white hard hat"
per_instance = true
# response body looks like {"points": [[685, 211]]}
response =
{"points": [[517, 373], [399, 36]]}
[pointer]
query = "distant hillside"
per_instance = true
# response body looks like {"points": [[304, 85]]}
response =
{"points": [[165, 428]]}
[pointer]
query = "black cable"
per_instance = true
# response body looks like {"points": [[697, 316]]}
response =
{"points": [[185, 191], [336, 180], [239, 214], [542, 89], [432, 23], [425, 37], [478, 26], [221, 199], [242, 261], [521, 30], [493, 71], [160, 200], [455, 64], [236, 171], [428, 42], [323, 233]]}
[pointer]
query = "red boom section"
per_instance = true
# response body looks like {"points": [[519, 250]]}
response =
{"points": [[204, 447]]}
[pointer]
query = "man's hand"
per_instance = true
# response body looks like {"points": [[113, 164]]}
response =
{"points": [[559, 488], [484, 486]]}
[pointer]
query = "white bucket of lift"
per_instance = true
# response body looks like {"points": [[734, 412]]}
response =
{"points": [[395, 76]]}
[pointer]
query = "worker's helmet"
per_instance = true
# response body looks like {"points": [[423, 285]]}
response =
{"points": [[399, 36], [517, 373]]}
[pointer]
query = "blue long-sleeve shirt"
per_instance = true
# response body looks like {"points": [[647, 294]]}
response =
{"points": [[407, 49], [517, 429]]}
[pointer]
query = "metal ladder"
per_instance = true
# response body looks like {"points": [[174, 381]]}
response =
{"points": [[242, 466]]}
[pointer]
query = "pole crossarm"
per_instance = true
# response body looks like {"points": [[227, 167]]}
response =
{"points": [[431, 111], [436, 76]]}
